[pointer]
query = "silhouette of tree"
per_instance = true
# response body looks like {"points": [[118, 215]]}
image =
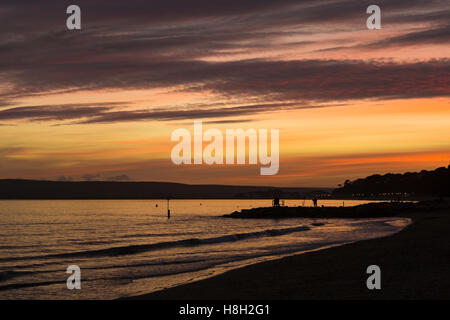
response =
{"points": [[429, 183]]}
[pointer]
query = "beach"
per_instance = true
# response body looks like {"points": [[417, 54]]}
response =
{"points": [[413, 262]]}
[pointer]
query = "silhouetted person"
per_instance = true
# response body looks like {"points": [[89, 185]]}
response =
{"points": [[276, 202], [315, 202]]}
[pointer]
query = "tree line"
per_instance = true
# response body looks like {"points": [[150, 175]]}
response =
{"points": [[423, 183]]}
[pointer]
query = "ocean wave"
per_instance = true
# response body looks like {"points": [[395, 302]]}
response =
{"points": [[135, 249], [7, 275], [14, 286], [150, 235]]}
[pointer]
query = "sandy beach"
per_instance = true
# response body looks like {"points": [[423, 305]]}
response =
{"points": [[413, 262]]}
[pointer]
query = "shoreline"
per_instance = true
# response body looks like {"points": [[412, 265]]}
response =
{"points": [[413, 263], [368, 210]]}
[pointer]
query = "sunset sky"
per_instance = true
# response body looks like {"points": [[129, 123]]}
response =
{"points": [[101, 103]]}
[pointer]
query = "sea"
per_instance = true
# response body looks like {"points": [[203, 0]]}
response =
{"points": [[129, 247]]}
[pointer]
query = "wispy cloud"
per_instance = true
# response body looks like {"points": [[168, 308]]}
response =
{"points": [[161, 44], [285, 85]]}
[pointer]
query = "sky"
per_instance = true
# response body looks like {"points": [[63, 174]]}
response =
{"points": [[101, 103]]}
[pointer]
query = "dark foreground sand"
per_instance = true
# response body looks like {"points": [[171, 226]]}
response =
{"points": [[415, 264]]}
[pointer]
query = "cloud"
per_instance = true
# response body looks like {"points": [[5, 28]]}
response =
{"points": [[160, 12], [330, 80], [91, 177], [65, 178], [438, 35], [110, 114], [59, 112], [175, 45], [53, 112], [170, 114], [122, 177], [10, 151], [159, 38], [283, 85]]}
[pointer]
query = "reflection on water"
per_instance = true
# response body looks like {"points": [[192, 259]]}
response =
{"points": [[126, 247]]}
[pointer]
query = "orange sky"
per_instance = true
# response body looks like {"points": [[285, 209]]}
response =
{"points": [[349, 102]]}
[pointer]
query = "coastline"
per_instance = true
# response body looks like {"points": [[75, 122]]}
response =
{"points": [[413, 262], [368, 210]]}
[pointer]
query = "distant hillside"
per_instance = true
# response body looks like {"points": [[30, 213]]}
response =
{"points": [[423, 183], [32, 189]]}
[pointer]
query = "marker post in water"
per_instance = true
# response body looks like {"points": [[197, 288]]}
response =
{"points": [[168, 209]]}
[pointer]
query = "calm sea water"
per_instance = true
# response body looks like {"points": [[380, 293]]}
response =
{"points": [[130, 247]]}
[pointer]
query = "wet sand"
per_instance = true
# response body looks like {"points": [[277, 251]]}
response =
{"points": [[414, 265]]}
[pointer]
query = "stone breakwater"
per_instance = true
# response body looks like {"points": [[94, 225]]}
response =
{"points": [[370, 210]]}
